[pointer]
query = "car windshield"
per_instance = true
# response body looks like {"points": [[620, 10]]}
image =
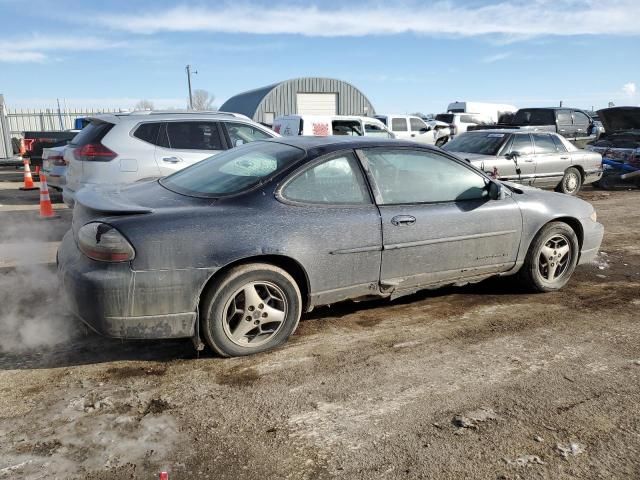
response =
{"points": [[445, 117], [233, 171], [482, 143], [534, 116]]}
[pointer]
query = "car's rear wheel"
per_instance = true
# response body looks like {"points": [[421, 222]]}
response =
{"points": [[250, 309], [571, 181], [552, 258]]}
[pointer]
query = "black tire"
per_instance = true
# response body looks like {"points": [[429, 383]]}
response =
{"points": [[216, 327], [571, 182], [532, 274]]}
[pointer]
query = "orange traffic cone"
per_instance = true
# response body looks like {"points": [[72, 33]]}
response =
{"points": [[46, 209], [28, 181]]}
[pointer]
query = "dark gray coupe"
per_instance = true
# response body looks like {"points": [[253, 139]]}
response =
{"points": [[235, 248]]}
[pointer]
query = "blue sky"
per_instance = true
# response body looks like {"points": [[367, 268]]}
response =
{"points": [[406, 55]]}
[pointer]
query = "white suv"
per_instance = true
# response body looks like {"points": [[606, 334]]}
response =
{"points": [[410, 127], [129, 147], [459, 122]]}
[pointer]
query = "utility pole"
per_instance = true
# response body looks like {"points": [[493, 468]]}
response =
{"points": [[60, 115], [189, 72]]}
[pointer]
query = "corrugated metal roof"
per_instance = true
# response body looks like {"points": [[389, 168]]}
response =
{"points": [[247, 103], [281, 98]]}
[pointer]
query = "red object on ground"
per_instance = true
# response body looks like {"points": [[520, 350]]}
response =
{"points": [[28, 180], [164, 476], [46, 209]]}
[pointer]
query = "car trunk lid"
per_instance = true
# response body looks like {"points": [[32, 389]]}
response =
{"points": [[616, 119]]}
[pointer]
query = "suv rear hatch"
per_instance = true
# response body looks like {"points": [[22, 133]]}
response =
{"points": [[86, 148]]}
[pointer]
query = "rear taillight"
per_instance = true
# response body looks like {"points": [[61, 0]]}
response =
{"points": [[94, 152], [102, 242], [454, 129]]}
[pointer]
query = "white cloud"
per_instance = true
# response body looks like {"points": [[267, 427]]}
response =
{"points": [[514, 19], [37, 47], [496, 58], [629, 89]]}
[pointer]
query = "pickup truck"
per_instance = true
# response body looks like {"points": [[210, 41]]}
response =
{"points": [[572, 123], [34, 142]]}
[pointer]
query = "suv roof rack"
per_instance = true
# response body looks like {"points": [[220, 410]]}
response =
{"points": [[181, 112]]}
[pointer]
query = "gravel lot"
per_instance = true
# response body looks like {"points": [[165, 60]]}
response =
{"points": [[483, 381]]}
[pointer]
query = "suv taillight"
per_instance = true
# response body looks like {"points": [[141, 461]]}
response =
{"points": [[454, 129], [94, 152]]}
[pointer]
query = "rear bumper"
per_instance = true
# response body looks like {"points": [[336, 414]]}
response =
{"points": [[591, 176], [593, 233], [116, 301]]}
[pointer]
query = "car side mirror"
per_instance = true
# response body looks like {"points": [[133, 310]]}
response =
{"points": [[425, 129], [512, 155], [495, 191], [239, 142]]}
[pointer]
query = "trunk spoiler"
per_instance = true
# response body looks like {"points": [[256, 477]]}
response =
{"points": [[108, 201]]}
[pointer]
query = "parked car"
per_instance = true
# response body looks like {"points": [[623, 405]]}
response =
{"points": [[324, 125], [410, 127], [33, 143], [130, 147], [619, 145], [572, 123], [460, 122], [237, 247], [495, 112], [530, 158], [54, 166]]}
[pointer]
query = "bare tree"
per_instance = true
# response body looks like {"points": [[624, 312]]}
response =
{"points": [[202, 100], [144, 105]]}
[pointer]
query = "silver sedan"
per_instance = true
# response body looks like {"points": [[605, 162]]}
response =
{"points": [[540, 159]]}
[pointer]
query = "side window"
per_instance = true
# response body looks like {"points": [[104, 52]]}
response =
{"points": [[564, 117], [467, 119], [399, 124], [544, 143], [580, 119], [559, 145], [522, 144], [417, 124], [411, 176], [241, 133], [148, 132], [194, 136], [373, 130], [337, 181]]}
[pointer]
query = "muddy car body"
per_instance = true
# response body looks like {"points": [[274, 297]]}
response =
{"points": [[235, 248], [621, 140]]}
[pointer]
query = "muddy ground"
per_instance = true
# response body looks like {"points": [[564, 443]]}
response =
{"points": [[483, 381]]}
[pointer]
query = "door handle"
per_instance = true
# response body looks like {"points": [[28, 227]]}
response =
{"points": [[564, 158], [400, 220], [413, 134], [171, 159], [529, 161]]}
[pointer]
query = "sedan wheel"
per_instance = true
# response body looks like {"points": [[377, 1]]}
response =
{"points": [[571, 182], [551, 259], [250, 309]]}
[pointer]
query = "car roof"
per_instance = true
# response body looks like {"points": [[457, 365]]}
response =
{"points": [[137, 116], [339, 142]]}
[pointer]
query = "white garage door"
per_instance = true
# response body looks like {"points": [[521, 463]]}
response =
{"points": [[317, 103]]}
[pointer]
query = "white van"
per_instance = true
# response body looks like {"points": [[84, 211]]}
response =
{"points": [[495, 111], [322, 126], [410, 127]]}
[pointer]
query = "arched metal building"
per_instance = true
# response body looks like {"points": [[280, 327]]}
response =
{"points": [[309, 95]]}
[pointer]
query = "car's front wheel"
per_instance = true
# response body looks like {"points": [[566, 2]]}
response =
{"points": [[552, 258], [571, 182], [250, 309]]}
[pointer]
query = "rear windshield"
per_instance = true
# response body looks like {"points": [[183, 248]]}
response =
{"points": [[92, 133], [445, 117], [534, 116], [482, 143], [233, 171]]}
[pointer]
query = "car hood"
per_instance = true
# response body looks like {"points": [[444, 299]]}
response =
{"points": [[616, 119]]}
